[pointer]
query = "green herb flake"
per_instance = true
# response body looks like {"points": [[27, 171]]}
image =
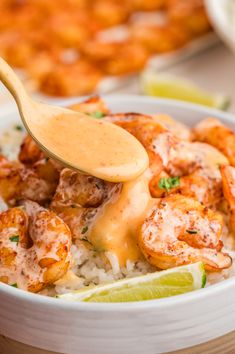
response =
{"points": [[192, 232], [73, 206], [97, 114], [84, 230], [14, 238], [47, 159], [19, 128], [14, 285], [168, 183]]}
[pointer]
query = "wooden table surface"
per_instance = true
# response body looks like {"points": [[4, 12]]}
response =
{"points": [[222, 345]]}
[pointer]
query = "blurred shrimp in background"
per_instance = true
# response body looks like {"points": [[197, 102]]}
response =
{"points": [[65, 47]]}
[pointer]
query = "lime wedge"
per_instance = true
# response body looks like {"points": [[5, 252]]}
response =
{"points": [[169, 86], [156, 285]]}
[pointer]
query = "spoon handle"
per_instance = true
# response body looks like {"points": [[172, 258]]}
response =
{"points": [[12, 83]]}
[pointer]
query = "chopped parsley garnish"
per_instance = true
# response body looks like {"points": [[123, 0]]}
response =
{"points": [[97, 114], [14, 238], [19, 127], [14, 285], [47, 159], [73, 206], [84, 230], [192, 232], [168, 183]]}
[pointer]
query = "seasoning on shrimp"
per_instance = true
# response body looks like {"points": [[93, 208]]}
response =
{"points": [[88, 231], [39, 254], [166, 242]]}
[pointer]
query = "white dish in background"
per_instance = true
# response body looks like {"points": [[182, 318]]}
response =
{"points": [[222, 17], [149, 327]]}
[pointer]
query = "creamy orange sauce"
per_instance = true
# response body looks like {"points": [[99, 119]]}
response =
{"points": [[203, 154], [94, 146], [165, 240], [25, 269], [178, 129], [116, 225], [208, 155]]}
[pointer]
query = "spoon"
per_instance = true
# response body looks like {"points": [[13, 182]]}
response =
{"points": [[79, 141]]}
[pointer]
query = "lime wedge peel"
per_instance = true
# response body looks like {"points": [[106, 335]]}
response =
{"points": [[152, 286], [170, 86]]}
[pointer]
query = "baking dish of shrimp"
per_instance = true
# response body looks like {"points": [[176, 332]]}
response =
{"points": [[63, 228], [63, 47]]}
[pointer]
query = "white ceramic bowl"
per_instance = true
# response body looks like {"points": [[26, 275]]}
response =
{"points": [[148, 327], [219, 13]]}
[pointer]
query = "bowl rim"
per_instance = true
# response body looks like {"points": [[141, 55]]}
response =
{"points": [[198, 295]]}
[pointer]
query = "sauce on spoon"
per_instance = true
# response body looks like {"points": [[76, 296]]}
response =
{"points": [[97, 147], [92, 146]]}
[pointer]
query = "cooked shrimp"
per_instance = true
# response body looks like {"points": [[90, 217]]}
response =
{"points": [[197, 165], [159, 38], [92, 105], [56, 42], [213, 132], [228, 179], [9, 179], [110, 12], [77, 198], [32, 156], [179, 230], [179, 129], [204, 188], [70, 29], [30, 152], [34, 247], [40, 65], [148, 5], [63, 79], [191, 15], [100, 51], [117, 58], [186, 157], [153, 136], [16, 48], [19, 182]]}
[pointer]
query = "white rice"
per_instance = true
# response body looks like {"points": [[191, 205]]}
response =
{"points": [[92, 268], [10, 141]]}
